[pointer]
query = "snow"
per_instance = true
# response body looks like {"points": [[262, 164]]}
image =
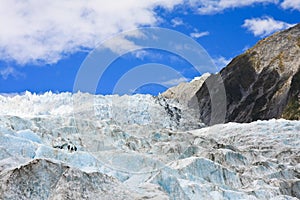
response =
{"points": [[141, 147]]}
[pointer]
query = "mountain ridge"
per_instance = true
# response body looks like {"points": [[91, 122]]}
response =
{"points": [[260, 84]]}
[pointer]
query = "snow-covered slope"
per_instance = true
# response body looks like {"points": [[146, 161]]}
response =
{"points": [[139, 147]]}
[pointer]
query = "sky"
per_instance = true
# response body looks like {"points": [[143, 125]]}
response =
{"points": [[47, 45]]}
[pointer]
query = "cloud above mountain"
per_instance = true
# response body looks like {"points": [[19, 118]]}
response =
{"points": [[265, 26], [291, 4], [207, 7], [46, 31], [213, 6]]}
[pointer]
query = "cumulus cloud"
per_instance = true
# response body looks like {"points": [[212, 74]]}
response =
{"points": [[215, 6], [45, 31], [291, 4], [199, 34], [265, 26]]}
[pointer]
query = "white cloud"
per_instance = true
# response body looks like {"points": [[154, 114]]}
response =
{"points": [[291, 4], [10, 71], [264, 26], [215, 6], [120, 44], [246, 48], [177, 22], [45, 31], [221, 62], [174, 81], [199, 34]]}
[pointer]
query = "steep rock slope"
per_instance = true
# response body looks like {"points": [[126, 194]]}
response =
{"points": [[292, 110], [262, 83], [185, 92]]}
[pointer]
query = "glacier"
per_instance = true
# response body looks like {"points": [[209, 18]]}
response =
{"points": [[139, 147]]}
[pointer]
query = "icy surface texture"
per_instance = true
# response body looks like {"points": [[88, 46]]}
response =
{"points": [[156, 112], [139, 147]]}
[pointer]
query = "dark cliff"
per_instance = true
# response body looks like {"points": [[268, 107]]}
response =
{"points": [[262, 83]]}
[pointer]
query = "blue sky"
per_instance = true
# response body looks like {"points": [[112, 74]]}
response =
{"points": [[43, 44]]}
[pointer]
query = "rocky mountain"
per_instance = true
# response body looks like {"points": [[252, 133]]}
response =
{"points": [[185, 92], [262, 83]]}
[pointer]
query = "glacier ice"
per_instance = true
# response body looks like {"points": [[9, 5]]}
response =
{"points": [[139, 147]]}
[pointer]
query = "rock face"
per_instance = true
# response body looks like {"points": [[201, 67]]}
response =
{"points": [[262, 83], [292, 110], [132, 157], [185, 92]]}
